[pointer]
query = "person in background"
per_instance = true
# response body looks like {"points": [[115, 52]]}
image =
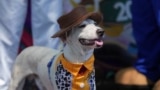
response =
{"points": [[44, 15], [146, 30]]}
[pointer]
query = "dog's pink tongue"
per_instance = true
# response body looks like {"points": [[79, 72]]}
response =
{"points": [[100, 43]]}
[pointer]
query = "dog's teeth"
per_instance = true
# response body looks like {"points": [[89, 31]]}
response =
{"points": [[87, 41]]}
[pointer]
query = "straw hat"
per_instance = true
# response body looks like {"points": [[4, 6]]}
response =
{"points": [[74, 18]]}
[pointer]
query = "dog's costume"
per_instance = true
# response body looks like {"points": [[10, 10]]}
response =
{"points": [[71, 76], [68, 75]]}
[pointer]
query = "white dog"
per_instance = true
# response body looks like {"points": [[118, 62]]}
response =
{"points": [[69, 69]]}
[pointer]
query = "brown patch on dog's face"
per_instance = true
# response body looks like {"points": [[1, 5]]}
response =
{"points": [[63, 37]]}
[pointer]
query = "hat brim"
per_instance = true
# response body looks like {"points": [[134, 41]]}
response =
{"points": [[97, 17]]}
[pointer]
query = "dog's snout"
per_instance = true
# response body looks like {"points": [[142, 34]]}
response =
{"points": [[100, 32]]}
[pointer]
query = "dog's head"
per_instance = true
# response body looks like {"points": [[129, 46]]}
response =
{"points": [[79, 27], [87, 35]]}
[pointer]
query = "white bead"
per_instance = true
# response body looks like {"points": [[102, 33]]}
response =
{"points": [[81, 85]]}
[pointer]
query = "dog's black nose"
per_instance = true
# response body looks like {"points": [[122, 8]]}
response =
{"points": [[100, 32]]}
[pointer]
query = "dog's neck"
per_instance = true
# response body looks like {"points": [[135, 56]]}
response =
{"points": [[76, 55]]}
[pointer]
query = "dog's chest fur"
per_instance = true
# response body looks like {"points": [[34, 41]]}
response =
{"points": [[66, 80]]}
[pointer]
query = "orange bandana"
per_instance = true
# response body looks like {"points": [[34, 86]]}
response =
{"points": [[80, 72]]}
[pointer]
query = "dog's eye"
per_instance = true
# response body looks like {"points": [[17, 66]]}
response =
{"points": [[95, 23], [82, 26]]}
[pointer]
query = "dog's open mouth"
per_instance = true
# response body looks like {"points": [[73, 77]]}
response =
{"points": [[89, 42]]}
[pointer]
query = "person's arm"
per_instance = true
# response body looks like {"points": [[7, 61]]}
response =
{"points": [[147, 35]]}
